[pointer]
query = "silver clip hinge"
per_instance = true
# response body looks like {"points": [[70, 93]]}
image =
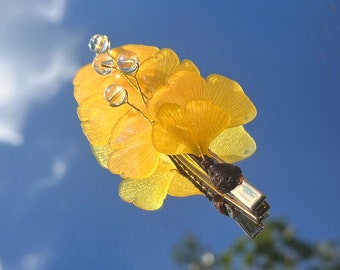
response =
{"points": [[244, 203]]}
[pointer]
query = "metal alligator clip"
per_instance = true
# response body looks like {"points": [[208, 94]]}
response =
{"points": [[242, 201]]}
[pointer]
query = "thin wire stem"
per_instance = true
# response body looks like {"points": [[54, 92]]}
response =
{"points": [[134, 107]]}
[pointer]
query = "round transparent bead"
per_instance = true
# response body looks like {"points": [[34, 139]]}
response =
{"points": [[99, 43], [128, 62], [103, 63], [115, 95]]}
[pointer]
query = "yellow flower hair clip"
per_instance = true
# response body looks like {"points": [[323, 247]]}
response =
{"points": [[153, 120]]}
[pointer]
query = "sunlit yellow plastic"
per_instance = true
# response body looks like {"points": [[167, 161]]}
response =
{"points": [[233, 144], [228, 95], [142, 51], [148, 193], [86, 83], [180, 87], [188, 129], [98, 118], [221, 91], [102, 154], [181, 113], [133, 154], [181, 187]]}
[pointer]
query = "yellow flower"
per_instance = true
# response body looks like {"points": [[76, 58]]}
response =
{"points": [[170, 110], [95, 113], [192, 112]]}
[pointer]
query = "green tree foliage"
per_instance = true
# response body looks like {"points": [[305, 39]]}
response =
{"points": [[277, 247]]}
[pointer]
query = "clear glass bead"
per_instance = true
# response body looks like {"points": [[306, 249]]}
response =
{"points": [[128, 62], [99, 43], [103, 63], [115, 95]]}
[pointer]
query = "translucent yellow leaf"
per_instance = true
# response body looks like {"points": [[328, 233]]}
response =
{"points": [[86, 83], [87, 80], [179, 186], [148, 193], [188, 129], [167, 136], [181, 87], [143, 52], [153, 72], [133, 155], [127, 82], [229, 95], [182, 187], [233, 144], [98, 118], [186, 65], [102, 154]]}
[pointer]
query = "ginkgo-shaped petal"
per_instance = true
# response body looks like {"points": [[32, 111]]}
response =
{"points": [[181, 87], [182, 187], [148, 193], [221, 91], [179, 186], [102, 154], [233, 144], [143, 52], [133, 155], [87, 81], [98, 118], [229, 95], [188, 129], [126, 82], [153, 73]]}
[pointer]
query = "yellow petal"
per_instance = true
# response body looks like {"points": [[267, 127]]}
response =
{"points": [[102, 154], [233, 144], [133, 155], [168, 137], [229, 95], [153, 72], [87, 80], [188, 129], [98, 118], [182, 187], [127, 83], [86, 83], [143, 52], [179, 186], [181, 87], [148, 193], [186, 65]]}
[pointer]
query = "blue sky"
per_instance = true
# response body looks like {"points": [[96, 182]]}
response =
{"points": [[60, 210]]}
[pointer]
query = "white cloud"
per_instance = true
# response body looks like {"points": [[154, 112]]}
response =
{"points": [[37, 56], [37, 260], [10, 135], [57, 171], [47, 10], [52, 10], [33, 261]]}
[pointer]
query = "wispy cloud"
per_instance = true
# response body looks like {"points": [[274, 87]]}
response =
{"points": [[34, 261], [58, 169], [37, 260], [37, 56], [46, 10]]}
